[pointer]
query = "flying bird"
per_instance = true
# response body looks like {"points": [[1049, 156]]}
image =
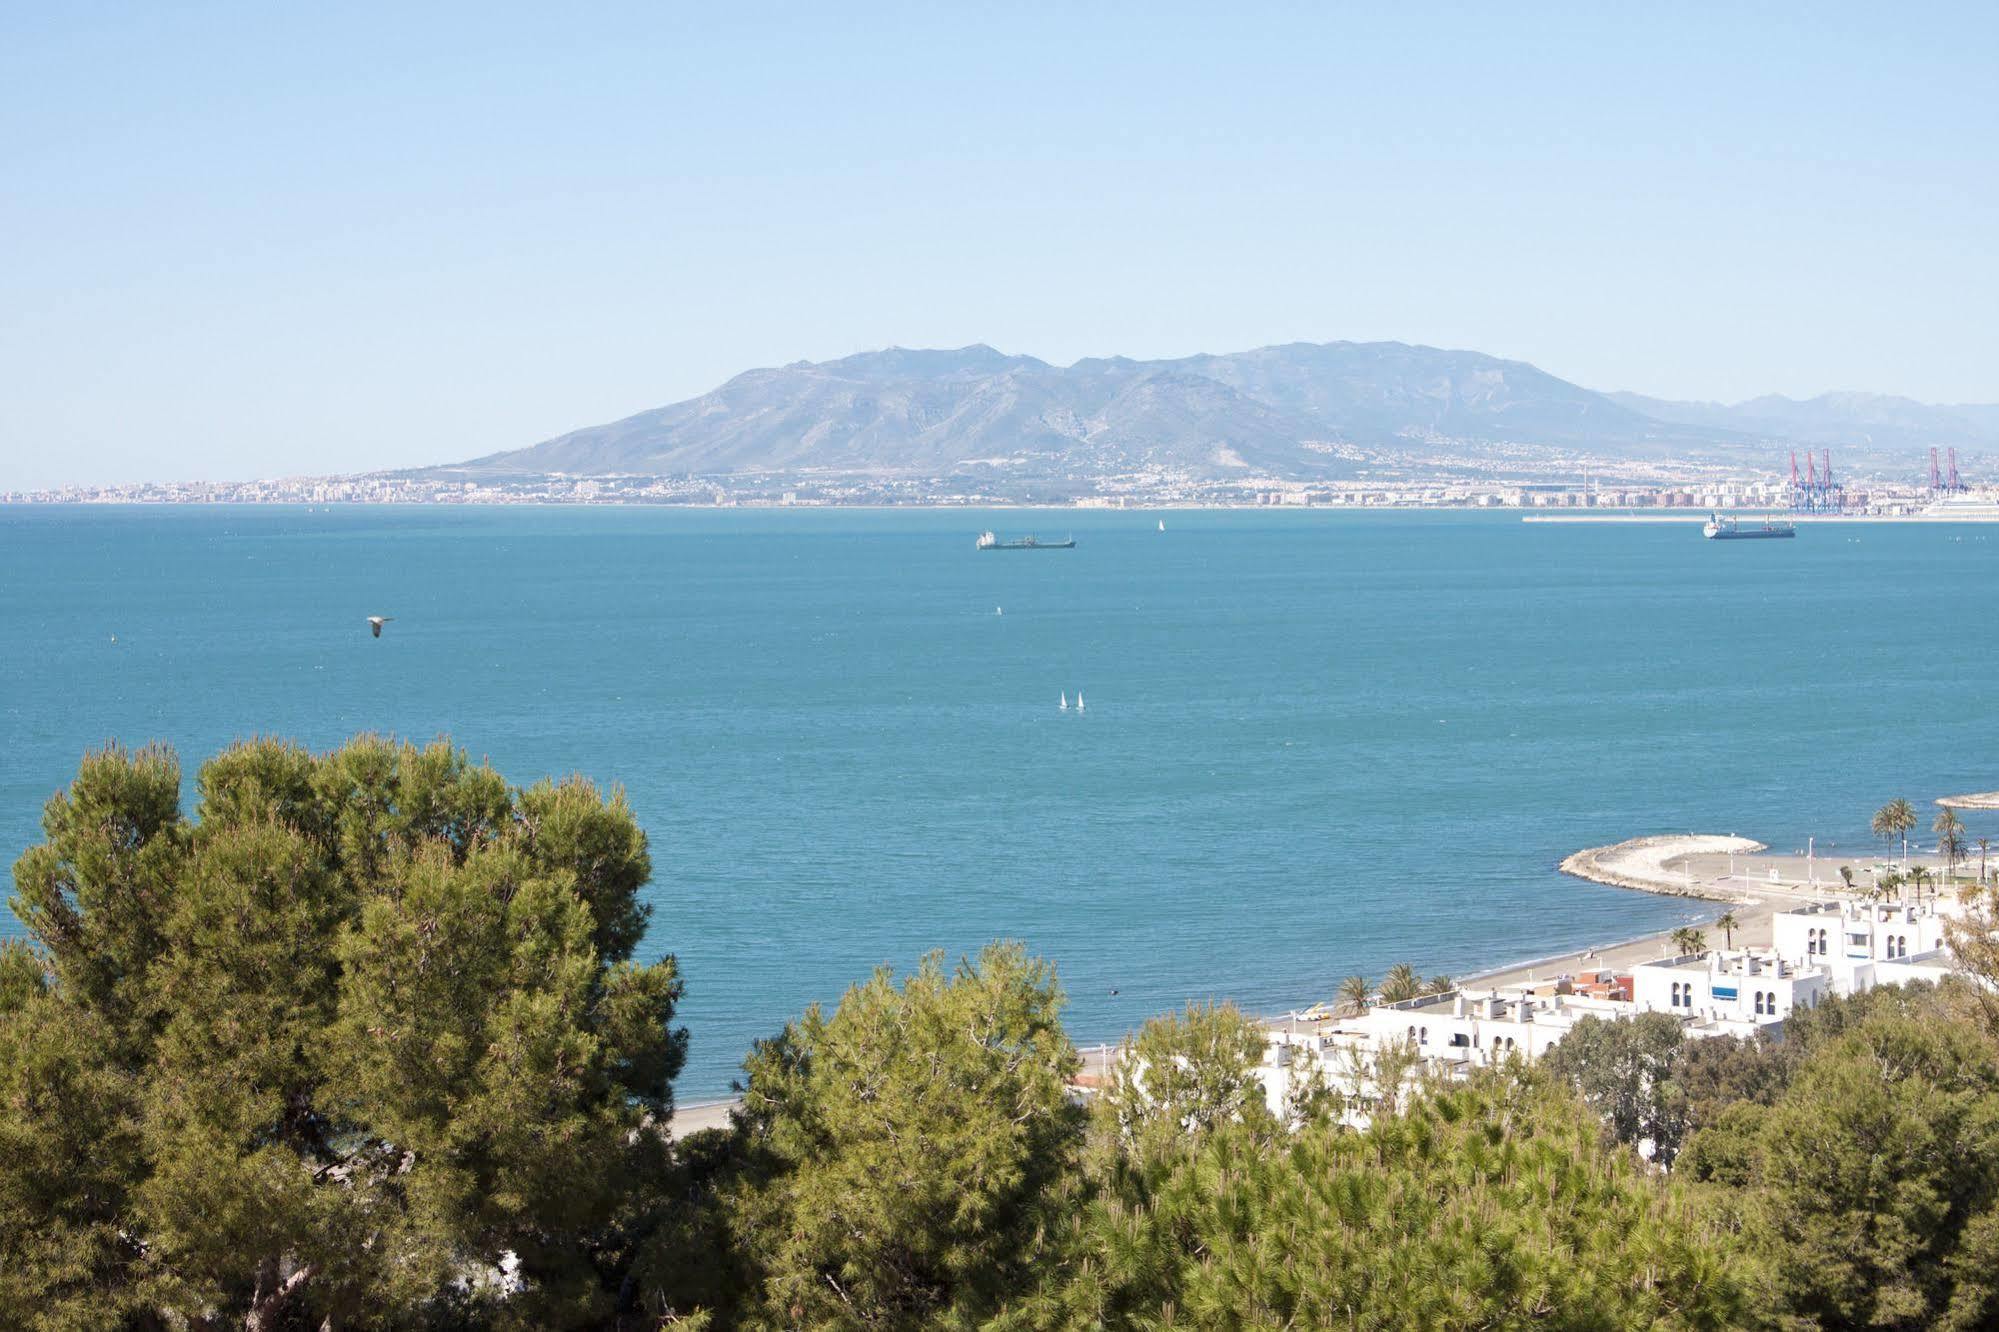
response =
{"points": [[375, 623]]}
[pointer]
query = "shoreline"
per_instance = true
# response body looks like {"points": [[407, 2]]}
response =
{"points": [[30, 500], [1647, 864], [1720, 874]]}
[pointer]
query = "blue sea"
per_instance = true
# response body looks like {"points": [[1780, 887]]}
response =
{"points": [[1315, 743]]}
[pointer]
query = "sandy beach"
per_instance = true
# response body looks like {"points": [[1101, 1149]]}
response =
{"points": [[689, 1119]]}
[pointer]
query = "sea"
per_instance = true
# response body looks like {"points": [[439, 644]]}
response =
{"points": [[1300, 744]]}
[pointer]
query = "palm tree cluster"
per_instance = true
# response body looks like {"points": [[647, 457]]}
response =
{"points": [[1687, 940], [1895, 819], [1356, 993], [1950, 840]]}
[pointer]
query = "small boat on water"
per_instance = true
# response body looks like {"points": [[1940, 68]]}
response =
{"points": [[990, 541], [1719, 528], [1079, 700], [1064, 704], [1162, 524]]}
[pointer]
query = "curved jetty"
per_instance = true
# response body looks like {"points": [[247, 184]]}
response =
{"points": [[1972, 800], [1651, 864]]}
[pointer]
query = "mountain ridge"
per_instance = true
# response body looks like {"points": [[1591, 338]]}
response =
{"points": [[1299, 410]]}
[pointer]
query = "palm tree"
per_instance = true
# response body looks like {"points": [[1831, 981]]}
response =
{"points": [[1950, 840], [1354, 993], [1981, 859], [1728, 925], [1400, 983], [1895, 819], [1846, 876], [1689, 940], [1439, 984], [1919, 875]]}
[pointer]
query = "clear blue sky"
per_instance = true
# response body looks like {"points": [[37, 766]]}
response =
{"points": [[263, 239]]}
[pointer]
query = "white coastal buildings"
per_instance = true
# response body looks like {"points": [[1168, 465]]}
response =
{"points": [[1865, 944], [1820, 949], [1732, 993]]}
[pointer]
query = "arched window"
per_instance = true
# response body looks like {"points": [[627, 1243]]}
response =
{"points": [[1676, 995], [1759, 1003], [1422, 1036]]}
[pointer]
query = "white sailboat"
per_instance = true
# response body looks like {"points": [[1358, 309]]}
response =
{"points": [[1064, 704], [1162, 524], [1079, 700]]}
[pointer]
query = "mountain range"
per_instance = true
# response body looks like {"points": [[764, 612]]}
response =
{"points": [[1301, 410]]}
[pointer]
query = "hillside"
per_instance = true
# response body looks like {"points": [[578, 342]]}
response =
{"points": [[1304, 410]]}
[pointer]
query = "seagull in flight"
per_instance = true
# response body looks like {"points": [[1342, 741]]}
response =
{"points": [[375, 623]]}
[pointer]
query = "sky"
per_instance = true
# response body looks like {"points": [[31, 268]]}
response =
{"points": [[261, 240]]}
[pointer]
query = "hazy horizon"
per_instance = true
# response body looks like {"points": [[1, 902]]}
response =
{"points": [[268, 243]]}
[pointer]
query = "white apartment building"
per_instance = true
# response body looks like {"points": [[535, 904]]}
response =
{"points": [[1865, 944], [1745, 988]]}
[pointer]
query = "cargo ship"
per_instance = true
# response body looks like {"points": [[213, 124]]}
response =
{"points": [[988, 541], [1719, 528]]}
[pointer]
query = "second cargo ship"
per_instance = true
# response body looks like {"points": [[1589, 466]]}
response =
{"points": [[988, 541], [1719, 528]]}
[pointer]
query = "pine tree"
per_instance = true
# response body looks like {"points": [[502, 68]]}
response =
{"points": [[365, 1027]]}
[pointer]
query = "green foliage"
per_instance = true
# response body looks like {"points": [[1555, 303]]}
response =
{"points": [[1623, 1071], [901, 1162], [1880, 1163], [332, 1049], [1712, 1074], [369, 1023], [1490, 1205], [69, 1154], [1185, 1073]]}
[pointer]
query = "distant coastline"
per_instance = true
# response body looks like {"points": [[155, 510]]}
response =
{"points": [[1903, 512]]}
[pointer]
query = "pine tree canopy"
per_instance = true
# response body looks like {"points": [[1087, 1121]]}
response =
{"points": [[361, 1041]]}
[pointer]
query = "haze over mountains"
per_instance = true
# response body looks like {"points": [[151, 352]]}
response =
{"points": [[1302, 410]]}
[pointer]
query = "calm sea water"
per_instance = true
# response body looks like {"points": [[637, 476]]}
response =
{"points": [[1316, 743]]}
